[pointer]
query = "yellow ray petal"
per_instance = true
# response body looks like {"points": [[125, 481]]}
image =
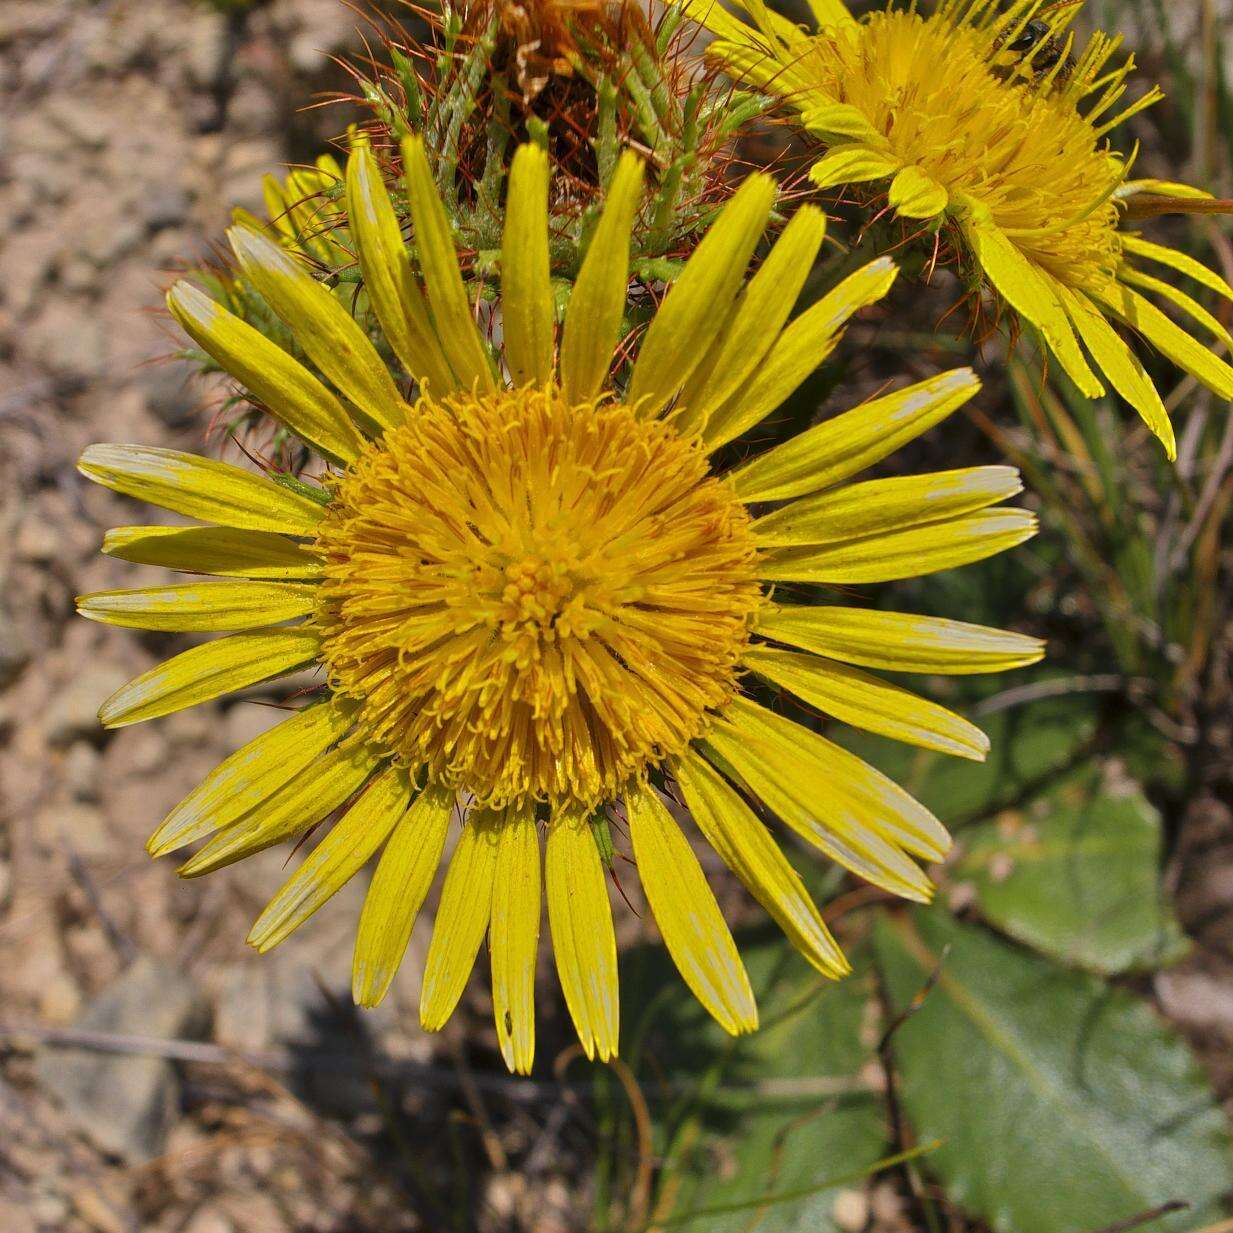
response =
{"points": [[1164, 188], [207, 671], [462, 918], [759, 316], [399, 887], [864, 701], [748, 849], [831, 14], [329, 335], [688, 917], [882, 505], [514, 938], [1170, 339], [211, 607], [276, 208], [286, 236], [914, 195], [799, 350], [392, 288], [434, 245], [898, 641], [823, 456], [299, 804], [285, 387], [697, 305], [900, 818], [1120, 365], [751, 63], [853, 164], [841, 121], [251, 775], [526, 287], [717, 19], [1031, 292], [213, 550], [200, 488], [1182, 262], [583, 941], [1187, 303], [774, 25], [308, 212], [597, 302], [831, 798], [343, 852], [910, 553]]}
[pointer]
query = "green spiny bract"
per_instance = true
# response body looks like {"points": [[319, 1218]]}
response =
{"points": [[583, 80]]}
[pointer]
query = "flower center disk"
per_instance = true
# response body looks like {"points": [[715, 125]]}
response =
{"points": [[534, 601]]}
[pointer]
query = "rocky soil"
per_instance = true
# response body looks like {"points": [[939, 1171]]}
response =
{"points": [[128, 129], [155, 1074]]}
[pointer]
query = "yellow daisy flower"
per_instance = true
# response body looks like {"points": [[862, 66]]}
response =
{"points": [[536, 603], [991, 121]]}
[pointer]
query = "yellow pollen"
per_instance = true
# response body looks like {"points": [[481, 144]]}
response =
{"points": [[531, 600], [1021, 149]]}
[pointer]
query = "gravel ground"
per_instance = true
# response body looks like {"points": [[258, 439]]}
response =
{"points": [[128, 128]]}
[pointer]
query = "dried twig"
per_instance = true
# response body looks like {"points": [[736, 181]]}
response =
{"points": [[1053, 687], [899, 1128], [276, 1061], [1142, 1218], [21, 1036], [120, 941], [640, 1196], [469, 1085], [1207, 499]]}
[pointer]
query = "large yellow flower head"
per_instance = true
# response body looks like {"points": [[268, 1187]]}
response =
{"points": [[991, 120], [535, 603]]}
